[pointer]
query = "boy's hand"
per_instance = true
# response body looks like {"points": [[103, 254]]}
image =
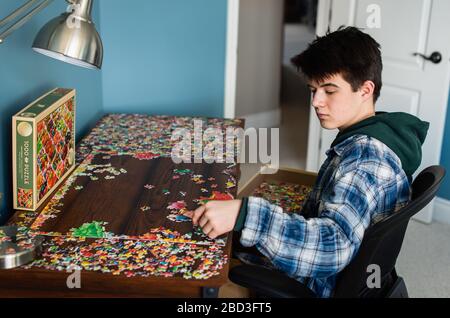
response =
{"points": [[216, 217]]}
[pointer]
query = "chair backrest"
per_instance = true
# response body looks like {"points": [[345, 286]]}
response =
{"points": [[382, 241]]}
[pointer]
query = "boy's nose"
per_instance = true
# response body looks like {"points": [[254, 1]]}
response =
{"points": [[317, 102]]}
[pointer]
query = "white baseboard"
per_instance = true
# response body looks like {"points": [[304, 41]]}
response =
{"points": [[441, 210], [266, 119]]}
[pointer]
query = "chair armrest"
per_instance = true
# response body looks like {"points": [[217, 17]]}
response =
{"points": [[268, 282]]}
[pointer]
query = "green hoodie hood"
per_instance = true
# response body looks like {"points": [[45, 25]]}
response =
{"points": [[403, 133]]}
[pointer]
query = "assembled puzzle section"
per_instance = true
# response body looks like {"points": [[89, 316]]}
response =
{"points": [[43, 147], [287, 188]]}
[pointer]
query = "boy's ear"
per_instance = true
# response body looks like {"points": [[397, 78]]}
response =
{"points": [[367, 89]]}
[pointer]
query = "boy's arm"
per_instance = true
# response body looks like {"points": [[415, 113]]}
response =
{"points": [[320, 246]]}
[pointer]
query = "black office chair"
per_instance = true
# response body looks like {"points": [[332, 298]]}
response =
{"points": [[381, 245]]}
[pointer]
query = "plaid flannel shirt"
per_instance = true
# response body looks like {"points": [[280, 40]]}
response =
{"points": [[360, 183]]}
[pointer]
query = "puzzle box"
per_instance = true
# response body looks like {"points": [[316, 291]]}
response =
{"points": [[43, 147]]}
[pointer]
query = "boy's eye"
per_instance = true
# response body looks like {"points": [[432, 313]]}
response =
{"points": [[330, 92]]}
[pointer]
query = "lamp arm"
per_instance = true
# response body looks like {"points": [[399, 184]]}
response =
{"points": [[22, 20], [17, 12]]}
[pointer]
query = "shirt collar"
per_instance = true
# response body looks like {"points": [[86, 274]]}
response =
{"points": [[340, 147]]}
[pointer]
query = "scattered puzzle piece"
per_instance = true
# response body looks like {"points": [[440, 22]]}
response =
{"points": [[216, 196], [94, 229], [289, 196]]}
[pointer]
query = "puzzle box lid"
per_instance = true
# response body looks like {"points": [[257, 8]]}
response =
{"points": [[43, 105]]}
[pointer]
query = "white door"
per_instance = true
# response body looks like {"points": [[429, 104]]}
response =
{"points": [[253, 64], [410, 83]]}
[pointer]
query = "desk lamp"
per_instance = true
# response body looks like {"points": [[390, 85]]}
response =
{"points": [[70, 37]]}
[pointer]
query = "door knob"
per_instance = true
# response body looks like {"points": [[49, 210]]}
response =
{"points": [[435, 57]]}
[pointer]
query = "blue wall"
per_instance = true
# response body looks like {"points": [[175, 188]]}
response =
{"points": [[164, 57], [26, 75], [444, 192]]}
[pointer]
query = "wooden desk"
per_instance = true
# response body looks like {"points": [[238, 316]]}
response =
{"points": [[127, 179]]}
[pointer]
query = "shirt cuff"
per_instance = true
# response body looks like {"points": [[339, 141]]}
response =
{"points": [[242, 215]]}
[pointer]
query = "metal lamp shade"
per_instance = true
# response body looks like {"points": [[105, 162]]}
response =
{"points": [[78, 44]]}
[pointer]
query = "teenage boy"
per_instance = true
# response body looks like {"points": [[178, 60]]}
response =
{"points": [[366, 176]]}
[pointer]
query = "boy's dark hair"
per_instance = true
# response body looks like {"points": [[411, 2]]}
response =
{"points": [[348, 51]]}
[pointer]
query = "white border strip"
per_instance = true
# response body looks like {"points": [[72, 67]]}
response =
{"points": [[441, 211], [231, 58]]}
